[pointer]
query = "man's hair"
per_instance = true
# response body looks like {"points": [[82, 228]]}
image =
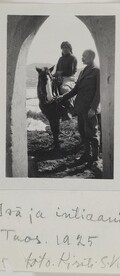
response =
{"points": [[66, 44], [91, 53]]}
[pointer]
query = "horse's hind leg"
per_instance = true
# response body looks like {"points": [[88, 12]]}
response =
{"points": [[54, 124]]}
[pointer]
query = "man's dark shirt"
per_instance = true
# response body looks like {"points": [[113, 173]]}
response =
{"points": [[87, 89]]}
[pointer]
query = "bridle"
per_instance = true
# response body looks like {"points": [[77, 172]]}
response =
{"points": [[47, 86]]}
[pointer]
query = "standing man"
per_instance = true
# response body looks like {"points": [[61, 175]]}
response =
{"points": [[86, 104]]}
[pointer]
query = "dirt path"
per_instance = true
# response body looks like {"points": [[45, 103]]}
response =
{"points": [[46, 161]]}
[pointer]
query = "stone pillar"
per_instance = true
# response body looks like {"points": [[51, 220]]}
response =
{"points": [[20, 32], [102, 29]]}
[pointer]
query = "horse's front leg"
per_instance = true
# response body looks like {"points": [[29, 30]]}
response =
{"points": [[54, 124]]}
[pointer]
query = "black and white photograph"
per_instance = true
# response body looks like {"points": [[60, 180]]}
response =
{"points": [[60, 96], [59, 142]]}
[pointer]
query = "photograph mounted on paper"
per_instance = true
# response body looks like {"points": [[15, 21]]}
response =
{"points": [[60, 96]]}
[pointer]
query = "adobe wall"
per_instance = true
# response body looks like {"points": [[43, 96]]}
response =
{"points": [[103, 31], [21, 31]]}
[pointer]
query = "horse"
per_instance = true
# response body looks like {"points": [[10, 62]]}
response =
{"points": [[47, 93]]}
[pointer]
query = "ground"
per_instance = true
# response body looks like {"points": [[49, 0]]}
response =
{"points": [[46, 161]]}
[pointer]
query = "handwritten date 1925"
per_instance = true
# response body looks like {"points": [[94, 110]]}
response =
{"points": [[78, 241]]}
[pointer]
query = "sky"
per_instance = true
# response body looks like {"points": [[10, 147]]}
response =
{"points": [[45, 47]]}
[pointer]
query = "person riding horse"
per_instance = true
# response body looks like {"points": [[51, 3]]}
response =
{"points": [[65, 74]]}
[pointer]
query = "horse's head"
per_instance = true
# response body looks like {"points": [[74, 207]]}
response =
{"points": [[44, 88]]}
